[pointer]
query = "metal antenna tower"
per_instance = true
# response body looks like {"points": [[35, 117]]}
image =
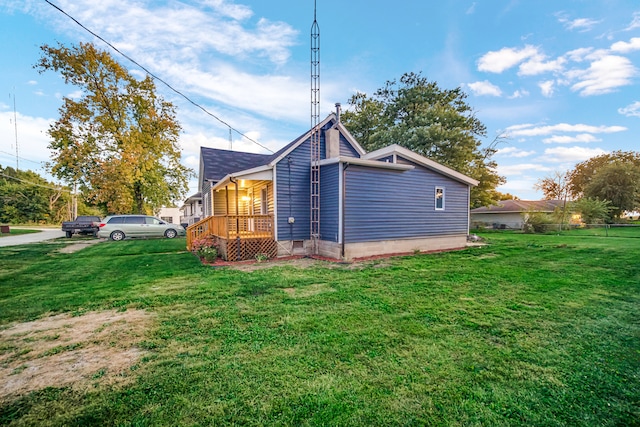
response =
{"points": [[315, 132]]}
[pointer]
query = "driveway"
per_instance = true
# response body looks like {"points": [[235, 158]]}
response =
{"points": [[21, 239]]}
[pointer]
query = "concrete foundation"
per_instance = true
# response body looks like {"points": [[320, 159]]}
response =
{"points": [[368, 249]]}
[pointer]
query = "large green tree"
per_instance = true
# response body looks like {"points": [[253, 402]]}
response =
{"points": [[619, 183], [437, 123], [614, 177], [119, 140], [26, 197]]}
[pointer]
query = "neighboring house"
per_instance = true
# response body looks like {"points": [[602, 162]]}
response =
{"points": [[387, 201], [191, 210], [170, 215], [631, 215], [512, 213]]}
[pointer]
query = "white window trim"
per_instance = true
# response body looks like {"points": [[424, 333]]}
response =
{"points": [[435, 198]]}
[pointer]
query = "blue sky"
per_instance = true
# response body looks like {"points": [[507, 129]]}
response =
{"points": [[560, 79]]}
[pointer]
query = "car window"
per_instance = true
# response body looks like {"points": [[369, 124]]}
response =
{"points": [[134, 220], [154, 221], [116, 220]]}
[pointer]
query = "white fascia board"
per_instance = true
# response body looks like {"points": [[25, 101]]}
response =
{"points": [[262, 173], [365, 162], [404, 152]]}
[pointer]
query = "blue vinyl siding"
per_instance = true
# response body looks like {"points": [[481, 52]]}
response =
{"points": [[297, 201], [329, 202], [346, 149], [384, 204], [294, 187]]}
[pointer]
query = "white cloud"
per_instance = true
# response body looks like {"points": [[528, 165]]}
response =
{"points": [[520, 169], [513, 152], [635, 22], [626, 47], [538, 65], [505, 58], [235, 11], [565, 139], [603, 76], [32, 140], [532, 130], [580, 24], [211, 51], [485, 88], [631, 110], [520, 93], [571, 154], [522, 187], [579, 55], [546, 88]]}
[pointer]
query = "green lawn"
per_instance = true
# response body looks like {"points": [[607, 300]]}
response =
{"points": [[530, 330]]}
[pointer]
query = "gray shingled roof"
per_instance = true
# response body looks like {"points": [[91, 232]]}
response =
{"points": [[505, 206], [220, 163]]}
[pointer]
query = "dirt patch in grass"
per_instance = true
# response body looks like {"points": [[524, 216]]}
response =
{"points": [[62, 350], [77, 246]]}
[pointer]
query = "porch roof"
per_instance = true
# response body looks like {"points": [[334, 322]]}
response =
{"points": [[260, 173]]}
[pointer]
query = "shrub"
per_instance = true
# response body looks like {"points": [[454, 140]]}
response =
{"points": [[260, 257], [205, 248], [537, 222]]}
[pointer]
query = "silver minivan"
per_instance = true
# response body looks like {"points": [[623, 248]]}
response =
{"points": [[119, 227]]}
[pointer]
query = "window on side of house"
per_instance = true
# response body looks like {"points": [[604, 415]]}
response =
{"points": [[439, 198]]}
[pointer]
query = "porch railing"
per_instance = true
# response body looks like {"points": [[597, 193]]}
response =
{"points": [[231, 227]]}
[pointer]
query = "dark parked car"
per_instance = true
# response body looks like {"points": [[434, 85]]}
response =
{"points": [[83, 224], [119, 227]]}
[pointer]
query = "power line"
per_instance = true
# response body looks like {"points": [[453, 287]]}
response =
{"points": [[34, 183], [22, 158], [159, 79]]}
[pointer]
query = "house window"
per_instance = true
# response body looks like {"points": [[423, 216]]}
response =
{"points": [[439, 198]]}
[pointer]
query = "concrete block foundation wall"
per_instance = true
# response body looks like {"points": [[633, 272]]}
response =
{"points": [[367, 249]]}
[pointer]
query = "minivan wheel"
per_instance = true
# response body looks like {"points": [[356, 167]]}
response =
{"points": [[69, 234], [117, 235], [170, 233]]}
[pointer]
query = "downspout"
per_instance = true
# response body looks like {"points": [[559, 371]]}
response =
{"points": [[289, 161], [235, 182], [344, 206]]}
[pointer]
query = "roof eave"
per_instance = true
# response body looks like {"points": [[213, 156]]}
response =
{"points": [[430, 164], [263, 172], [366, 162]]}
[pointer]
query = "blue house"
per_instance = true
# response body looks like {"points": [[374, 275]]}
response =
{"points": [[387, 201]]}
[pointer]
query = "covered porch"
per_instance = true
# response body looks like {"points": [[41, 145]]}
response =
{"points": [[238, 237], [239, 218]]}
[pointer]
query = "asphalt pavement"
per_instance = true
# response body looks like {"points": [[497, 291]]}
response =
{"points": [[22, 239]]}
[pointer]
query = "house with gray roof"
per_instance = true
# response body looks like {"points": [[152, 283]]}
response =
{"points": [[388, 201], [512, 214]]}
